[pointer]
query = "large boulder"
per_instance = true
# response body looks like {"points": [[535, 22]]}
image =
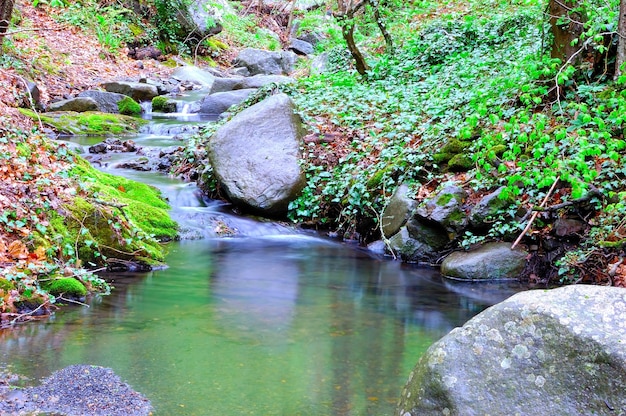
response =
{"points": [[221, 101], [258, 61], [491, 261], [138, 91], [106, 101], [548, 352], [77, 104], [483, 213], [256, 156]]}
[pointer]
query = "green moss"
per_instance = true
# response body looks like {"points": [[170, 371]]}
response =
{"points": [[444, 199], [450, 150], [460, 163], [89, 122], [129, 107], [158, 103], [170, 63], [65, 286], [6, 285]]}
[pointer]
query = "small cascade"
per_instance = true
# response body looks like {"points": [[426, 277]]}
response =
{"points": [[146, 107]]}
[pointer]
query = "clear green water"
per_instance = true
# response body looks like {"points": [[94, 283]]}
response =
{"points": [[285, 325]]}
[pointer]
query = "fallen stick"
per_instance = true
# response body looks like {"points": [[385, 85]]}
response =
{"points": [[534, 216]]}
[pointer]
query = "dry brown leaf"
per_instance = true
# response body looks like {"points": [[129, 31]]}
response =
{"points": [[18, 250]]}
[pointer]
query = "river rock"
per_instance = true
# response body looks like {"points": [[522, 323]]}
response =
{"points": [[542, 352], [481, 214], [220, 102], [491, 261], [259, 61], [446, 208], [397, 211], [194, 74], [418, 242], [239, 83], [138, 91], [256, 155], [106, 101], [319, 64], [77, 104]]}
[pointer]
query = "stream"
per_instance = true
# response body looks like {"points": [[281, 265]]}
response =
{"points": [[274, 321]]}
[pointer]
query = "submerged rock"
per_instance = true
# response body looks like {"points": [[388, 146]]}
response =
{"points": [[256, 156], [549, 352]]}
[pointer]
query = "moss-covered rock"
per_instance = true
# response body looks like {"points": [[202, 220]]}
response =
{"points": [[89, 122], [129, 107], [460, 163], [452, 148], [67, 286], [124, 220], [158, 103]]}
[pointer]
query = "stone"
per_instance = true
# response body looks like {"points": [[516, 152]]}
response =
{"points": [[491, 261], [540, 352], [32, 95], [301, 47], [446, 208], [220, 102], [241, 83], [201, 18], [256, 156], [568, 227], [77, 104], [259, 61], [481, 214], [136, 90], [412, 250], [106, 101], [194, 74], [319, 64], [397, 211]]}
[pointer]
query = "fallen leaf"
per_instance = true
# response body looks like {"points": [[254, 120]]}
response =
{"points": [[18, 250]]}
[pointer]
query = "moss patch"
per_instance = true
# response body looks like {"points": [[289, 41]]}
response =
{"points": [[158, 103], [89, 122], [66, 286], [460, 163], [129, 107]]}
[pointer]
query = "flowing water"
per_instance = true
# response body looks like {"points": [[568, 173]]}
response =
{"points": [[272, 322]]}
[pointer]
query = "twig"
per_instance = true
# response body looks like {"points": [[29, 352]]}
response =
{"points": [[18, 317], [60, 297], [382, 233], [536, 213]]}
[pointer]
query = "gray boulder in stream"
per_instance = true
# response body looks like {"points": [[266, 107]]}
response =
{"points": [[541, 352], [221, 101], [256, 155], [106, 101]]}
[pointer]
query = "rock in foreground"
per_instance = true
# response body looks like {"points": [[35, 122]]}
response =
{"points": [[555, 352], [78, 390]]}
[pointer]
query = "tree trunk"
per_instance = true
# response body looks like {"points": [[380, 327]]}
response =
{"points": [[381, 25], [567, 23], [620, 59], [6, 9], [347, 30]]}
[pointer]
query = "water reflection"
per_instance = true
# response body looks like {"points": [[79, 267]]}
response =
{"points": [[283, 325]]}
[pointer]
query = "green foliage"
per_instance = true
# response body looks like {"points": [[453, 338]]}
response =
{"points": [[245, 31], [158, 103], [129, 107]]}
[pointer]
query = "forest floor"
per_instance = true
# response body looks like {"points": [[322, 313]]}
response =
{"points": [[61, 59]]}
